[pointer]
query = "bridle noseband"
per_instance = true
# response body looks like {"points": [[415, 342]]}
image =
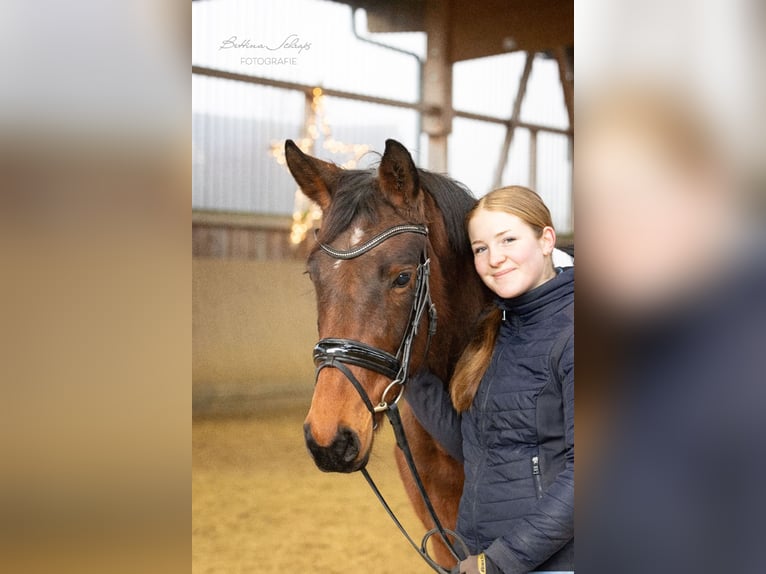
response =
{"points": [[338, 353]]}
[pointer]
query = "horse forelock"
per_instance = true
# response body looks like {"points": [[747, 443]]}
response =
{"points": [[355, 197]]}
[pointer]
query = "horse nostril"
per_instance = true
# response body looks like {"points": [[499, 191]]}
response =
{"points": [[346, 445]]}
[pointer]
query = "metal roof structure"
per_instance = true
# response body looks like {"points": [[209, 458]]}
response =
{"points": [[460, 30], [479, 28]]}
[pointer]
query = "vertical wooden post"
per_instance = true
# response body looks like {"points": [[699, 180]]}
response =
{"points": [[308, 118], [437, 84], [565, 61], [533, 159]]}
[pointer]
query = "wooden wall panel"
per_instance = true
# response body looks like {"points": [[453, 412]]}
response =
{"points": [[244, 237]]}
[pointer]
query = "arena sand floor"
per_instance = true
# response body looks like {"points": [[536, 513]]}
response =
{"points": [[259, 505]]}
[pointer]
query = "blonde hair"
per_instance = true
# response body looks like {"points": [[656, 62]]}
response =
{"points": [[527, 206]]}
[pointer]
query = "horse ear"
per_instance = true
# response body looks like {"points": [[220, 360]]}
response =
{"points": [[398, 175], [315, 177]]}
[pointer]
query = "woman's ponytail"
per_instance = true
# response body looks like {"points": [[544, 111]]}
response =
{"points": [[475, 359]]}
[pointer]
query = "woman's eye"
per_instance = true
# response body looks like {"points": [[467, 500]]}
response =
{"points": [[507, 240], [402, 280], [479, 250]]}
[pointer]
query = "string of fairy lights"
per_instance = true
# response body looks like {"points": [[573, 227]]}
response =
{"points": [[317, 139]]}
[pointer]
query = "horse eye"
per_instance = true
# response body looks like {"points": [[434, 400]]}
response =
{"points": [[402, 280]]}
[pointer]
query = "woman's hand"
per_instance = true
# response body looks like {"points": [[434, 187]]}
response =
{"points": [[476, 565], [467, 566]]}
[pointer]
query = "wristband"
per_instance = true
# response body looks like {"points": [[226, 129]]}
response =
{"points": [[482, 560]]}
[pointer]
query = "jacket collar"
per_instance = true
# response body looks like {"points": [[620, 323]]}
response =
{"points": [[528, 305]]}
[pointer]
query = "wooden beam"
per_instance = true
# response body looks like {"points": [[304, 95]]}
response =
{"points": [[238, 219], [307, 89], [437, 84], [431, 110], [515, 114], [507, 122]]}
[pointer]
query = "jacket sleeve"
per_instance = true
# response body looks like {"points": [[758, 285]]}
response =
{"points": [[535, 537], [429, 400]]}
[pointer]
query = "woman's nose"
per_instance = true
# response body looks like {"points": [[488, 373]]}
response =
{"points": [[496, 257]]}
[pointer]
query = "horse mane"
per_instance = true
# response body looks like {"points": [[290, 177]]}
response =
{"points": [[356, 195], [454, 201]]}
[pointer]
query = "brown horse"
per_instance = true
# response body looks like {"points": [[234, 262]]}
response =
{"points": [[369, 299]]}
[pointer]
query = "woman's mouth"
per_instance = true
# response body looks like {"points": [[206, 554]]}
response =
{"points": [[502, 273]]}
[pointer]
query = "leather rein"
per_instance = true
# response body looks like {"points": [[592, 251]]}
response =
{"points": [[338, 353]]}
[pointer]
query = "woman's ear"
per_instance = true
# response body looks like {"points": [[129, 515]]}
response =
{"points": [[548, 240]]}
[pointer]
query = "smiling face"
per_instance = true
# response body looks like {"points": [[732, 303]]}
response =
{"points": [[510, 256]]}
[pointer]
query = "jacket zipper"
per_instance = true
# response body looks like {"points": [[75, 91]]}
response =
{"points": [[536, 476], [480, 469]]}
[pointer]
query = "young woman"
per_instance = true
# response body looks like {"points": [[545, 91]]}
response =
{"points": [[509, 414]]}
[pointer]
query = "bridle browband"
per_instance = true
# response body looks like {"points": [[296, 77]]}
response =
{"points": [[371, 244], [338, 353]]}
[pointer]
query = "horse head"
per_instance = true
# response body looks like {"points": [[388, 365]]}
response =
{"points": [[366, 290]]}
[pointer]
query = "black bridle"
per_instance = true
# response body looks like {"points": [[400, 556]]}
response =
{"points": [[338, 353]]}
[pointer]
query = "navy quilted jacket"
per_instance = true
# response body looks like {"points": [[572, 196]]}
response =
{"points": [[517, 439]]}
